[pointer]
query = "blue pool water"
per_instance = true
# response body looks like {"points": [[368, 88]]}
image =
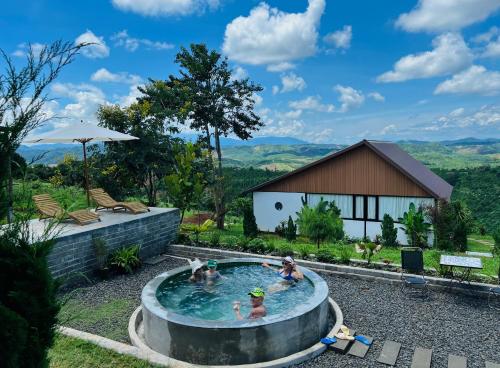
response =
{"points": [[215, 302]]}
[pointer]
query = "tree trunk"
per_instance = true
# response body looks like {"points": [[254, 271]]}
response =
{"points": [[219, 184], [10, 188]]}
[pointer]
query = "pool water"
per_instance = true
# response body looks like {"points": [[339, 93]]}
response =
{"points": [[215, 302]]}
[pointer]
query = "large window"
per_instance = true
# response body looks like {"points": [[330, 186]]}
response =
{"points": [[342, 201], [397, 206], [360, 207], [371, 208]]}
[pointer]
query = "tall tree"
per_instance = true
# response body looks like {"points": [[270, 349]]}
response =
{"points": [[142, 163], [210, 101], [22, 98]]}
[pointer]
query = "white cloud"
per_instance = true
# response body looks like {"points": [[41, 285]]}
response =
{"points": [[104, 75], [165, 7], [290, 82], [123, 39], [132, 96], [98, 47], [450, 55], [485, 120], [446, 15], [23, 49], [271, 36], [477, 79], [239, 73], [487, 36], [280, 67], [341, 39], [457, 112], [311, 103], [391, 128], [293, 114], [349, 98], [376, 96]]}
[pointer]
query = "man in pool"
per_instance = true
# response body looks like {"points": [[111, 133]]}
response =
{"points": [[257, 301], [289, 273], [212, 275]]}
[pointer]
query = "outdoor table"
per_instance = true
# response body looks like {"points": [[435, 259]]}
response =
{"points": [[466, 263]]}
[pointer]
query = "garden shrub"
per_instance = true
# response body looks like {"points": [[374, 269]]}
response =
{"points": [[303, 251], [285, 250], [452, 222], [231, 242], [126, 259], [250, 229], [183, 238], [257, 245], [345, 253], [389, 232], [214, 240], [280, 229], [416, 228], [270, 245], [28, 305], [290, 230], [321, 222], [368, 250], [243, 243], [325, 255]]}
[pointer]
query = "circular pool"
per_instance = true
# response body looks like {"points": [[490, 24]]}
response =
{"points": [[196, 324]]}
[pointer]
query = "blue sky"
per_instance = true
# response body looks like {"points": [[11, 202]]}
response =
{"points": [[333, 71]]}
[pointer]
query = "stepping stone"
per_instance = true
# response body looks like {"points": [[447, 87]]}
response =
{"points": [[359, 349], [421, 358], [457, 361], [390, 352], [480, 254], [341, 346], [492, 365]]}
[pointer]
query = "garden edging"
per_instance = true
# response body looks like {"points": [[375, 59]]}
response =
{"points": [[437, 283]]}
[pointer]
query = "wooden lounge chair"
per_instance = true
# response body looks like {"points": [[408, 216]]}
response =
{"points": [[104, 201], [47, 207]]}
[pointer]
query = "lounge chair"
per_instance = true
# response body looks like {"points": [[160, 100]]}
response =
{"points": [[47, 207], [412, 270], [104, 201]]}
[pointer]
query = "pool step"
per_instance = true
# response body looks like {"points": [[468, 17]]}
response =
{"points": [[457, 361], [389, 353], [421, 358], [341, 346], [358, 349]]}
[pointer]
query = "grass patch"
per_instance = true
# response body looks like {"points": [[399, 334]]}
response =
{"points": [[110, 319], [69, 352]]}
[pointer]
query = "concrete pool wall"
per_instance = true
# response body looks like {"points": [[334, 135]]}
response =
{"points": [[234, 342]]}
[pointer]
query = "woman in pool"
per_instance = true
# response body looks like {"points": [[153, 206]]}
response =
{"points": [[197, 274], [289, 273], [257, 301]]}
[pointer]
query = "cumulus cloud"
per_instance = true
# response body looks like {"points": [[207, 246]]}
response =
{"points": [[446, 15], [280, 67], [476, 79], [290, 82], [165, 7], [457, 112], [96, 49], [349, 98], [391, 128], [22, 49], [270, 36], [450, 55], [123, 39], [311, 103], [340, 39], [376, 96], [104, 75], [239, 73], [484, 121], [293, 114], [490, 41]]}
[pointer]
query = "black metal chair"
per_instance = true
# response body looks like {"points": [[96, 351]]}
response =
{"points": [[412, 270]]}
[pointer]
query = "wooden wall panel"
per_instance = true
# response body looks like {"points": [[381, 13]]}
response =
{"points": [[360, 171]]}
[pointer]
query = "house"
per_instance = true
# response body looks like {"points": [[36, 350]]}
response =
{"points": [[366, 181]]}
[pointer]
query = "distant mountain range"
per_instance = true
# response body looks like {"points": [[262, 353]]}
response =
{"points": [[286, 153]]}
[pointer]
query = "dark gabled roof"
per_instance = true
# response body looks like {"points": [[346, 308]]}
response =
{"points": [[390, 152]]}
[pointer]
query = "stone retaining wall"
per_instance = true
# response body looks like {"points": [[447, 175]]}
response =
{"points": [[443, 284], [73, 252]]}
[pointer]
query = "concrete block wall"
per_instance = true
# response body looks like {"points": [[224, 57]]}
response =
{"points": [[74, 253]]}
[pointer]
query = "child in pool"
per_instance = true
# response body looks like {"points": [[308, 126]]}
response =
{"points": [[197, 274], [257, 301], [212, 275]]}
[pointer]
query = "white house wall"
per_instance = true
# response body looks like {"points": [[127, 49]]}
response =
{"points": [[266, 214], [354, 228]]}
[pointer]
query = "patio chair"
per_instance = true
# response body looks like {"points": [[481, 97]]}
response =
{"points": [[105, 201], [412, 270], [47, 207], [494, 297]]}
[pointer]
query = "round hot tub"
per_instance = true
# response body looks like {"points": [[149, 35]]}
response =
{"points": [[196, 323]]}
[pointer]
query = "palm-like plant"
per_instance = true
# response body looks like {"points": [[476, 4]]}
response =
{"points": [[368, 250], [416, 228]]}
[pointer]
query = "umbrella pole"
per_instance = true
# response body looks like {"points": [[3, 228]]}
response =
{"points": [[86, 174]]}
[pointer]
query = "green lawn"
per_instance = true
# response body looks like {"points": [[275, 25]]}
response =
{"points": [[69, 352], [391, 255], [110, 318]]}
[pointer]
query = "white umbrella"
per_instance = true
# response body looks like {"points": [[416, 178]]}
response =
{"points": [[82, 133]]}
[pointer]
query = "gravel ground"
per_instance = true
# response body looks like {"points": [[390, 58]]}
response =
{"points": [[448, 323]]}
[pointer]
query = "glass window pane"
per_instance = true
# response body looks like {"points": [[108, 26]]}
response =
{"points": [[372, 207], [342, 201], [360, 207]]}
